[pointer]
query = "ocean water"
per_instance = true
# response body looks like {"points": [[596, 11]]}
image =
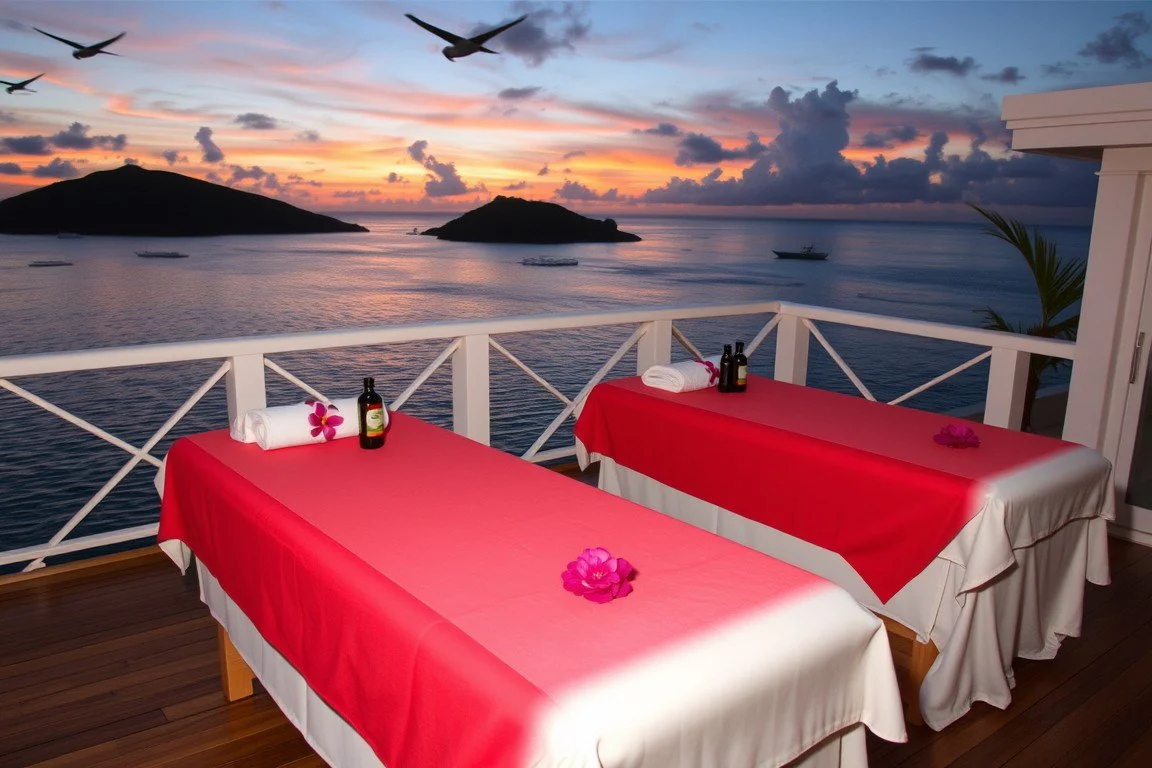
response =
{"points": [[242, 286]]}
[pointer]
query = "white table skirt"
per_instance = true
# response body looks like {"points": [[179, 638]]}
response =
{"points": [[1010, 584], [342, 747]]}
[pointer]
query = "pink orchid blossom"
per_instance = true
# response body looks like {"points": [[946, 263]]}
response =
{"points": [[324, 419], [597, 576], [957, 436]]}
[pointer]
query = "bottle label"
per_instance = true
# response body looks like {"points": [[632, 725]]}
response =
{"points": [[374, 421], [742, 374]]}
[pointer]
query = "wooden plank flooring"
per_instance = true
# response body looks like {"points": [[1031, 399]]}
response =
{"points": [[117, 667]]}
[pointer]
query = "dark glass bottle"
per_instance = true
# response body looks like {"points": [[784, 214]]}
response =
{"points": [[727, 377], [740, 368], [371, 412]]}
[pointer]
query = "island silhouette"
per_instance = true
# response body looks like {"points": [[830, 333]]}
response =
{"points": [[133, 201], [515, 220]]}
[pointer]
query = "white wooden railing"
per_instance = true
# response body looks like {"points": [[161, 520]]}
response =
{"points": [[467, 346]]}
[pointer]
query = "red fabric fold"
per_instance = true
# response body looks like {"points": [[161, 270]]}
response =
{"points": [[860, 478]]}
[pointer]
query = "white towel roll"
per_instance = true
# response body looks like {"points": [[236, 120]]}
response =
{"points": [[687, 376], [297, 424]]}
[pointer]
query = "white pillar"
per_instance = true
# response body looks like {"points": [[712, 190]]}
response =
{"points": [[1007, 383], [654, 347], [792, 338], [471, 400], [244, 383]]}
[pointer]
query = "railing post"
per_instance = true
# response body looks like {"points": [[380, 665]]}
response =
{"points": [[1007, 382], [792, 350], [244, 383], [471, 406], [655, 346]]}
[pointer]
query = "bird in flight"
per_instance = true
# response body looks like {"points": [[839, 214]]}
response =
{"points": [[465, 46], [85, 51], [22, 85]]}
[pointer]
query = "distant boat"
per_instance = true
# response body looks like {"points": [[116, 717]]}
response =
{"points": [[807, 252], [549, 261], [414, 231], [68, 236], [161, 255], [50, 263]]}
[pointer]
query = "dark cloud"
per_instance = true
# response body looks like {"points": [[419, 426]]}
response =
{"points": [[240, 173], [211, 152], [661, 129], [76, 137], [255, 121], [515, 94], [443, 180], [395, 178], [131, 161], [10, 169], [25, 145], [173, 156], [698, 148], [574, 153], [548, 31], [516, 186], [543, 171], [1118, 44], [574, 190], [888, 138], [805, 165], [1060, 69], [927, 62], [309, 136], [1010, 75], [57, 169], [296, 179]]}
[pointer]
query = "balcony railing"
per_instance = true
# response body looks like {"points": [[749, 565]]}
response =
{"points": [[467, 346]]}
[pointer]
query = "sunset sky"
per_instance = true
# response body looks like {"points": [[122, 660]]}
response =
{"points": [[870, 109]]}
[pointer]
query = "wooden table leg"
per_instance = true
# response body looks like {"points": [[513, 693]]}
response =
{"points": [[235, 674], [912, 660]]}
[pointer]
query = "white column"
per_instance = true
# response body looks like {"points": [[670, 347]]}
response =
{"points": [[244, 383], [655, 347], [1117, 263], [471, 401], [1007, 382], [792, 350]]}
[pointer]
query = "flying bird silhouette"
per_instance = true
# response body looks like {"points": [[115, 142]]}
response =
{"points": [[85, 51], [22, 85], [465, 46]]}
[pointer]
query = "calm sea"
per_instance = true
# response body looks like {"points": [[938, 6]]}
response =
{"points": [[240, 286]]}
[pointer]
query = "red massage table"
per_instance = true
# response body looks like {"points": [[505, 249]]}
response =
{"points": [[978, 555], [405, 608]]}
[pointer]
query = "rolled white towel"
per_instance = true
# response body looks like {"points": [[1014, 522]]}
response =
{"points": [[687, 376], [298, 424]]}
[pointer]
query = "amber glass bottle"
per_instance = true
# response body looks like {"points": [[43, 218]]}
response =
{"points": [[740, 368], [371, 411]]}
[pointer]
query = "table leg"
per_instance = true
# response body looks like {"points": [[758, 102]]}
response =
{"points": [[235, 675], [912, 660]]}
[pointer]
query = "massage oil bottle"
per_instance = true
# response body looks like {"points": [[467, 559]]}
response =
{"points": [[727, 379], [371, 411], [740, 368]]}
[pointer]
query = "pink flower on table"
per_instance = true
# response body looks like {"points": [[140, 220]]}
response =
{"points": [[597, 576], [324, 419], [957, 436]]}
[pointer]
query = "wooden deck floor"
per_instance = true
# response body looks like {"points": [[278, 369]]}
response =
{"points": [[117, 667]]}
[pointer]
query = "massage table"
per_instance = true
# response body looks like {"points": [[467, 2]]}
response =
{"points": [[972, 556], [405, 608]]}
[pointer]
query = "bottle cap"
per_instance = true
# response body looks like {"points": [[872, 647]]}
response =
{"points": [[369, 382]]}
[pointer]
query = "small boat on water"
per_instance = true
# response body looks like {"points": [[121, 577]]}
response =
{"points": [[414, 231], [808, 253], [549, 261], [50, 263], [161, 255]]}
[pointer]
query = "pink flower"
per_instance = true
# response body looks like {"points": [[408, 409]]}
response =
{"points": [[324, 419], [598, 576], [957, 436]]}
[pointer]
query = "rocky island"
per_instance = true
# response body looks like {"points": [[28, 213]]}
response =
{"points": [[514, 220], [132, 201]]}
